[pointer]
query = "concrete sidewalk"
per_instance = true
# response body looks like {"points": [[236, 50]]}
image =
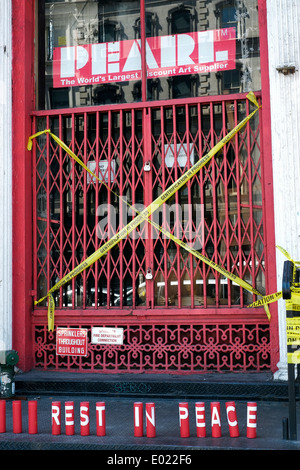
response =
{"points": [[120, 429], [121, 391]]}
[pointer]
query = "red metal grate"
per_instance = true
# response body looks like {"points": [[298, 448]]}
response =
{"points": [[165, 348], [139, 151]]}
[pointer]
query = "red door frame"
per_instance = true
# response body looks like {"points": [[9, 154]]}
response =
{"points": [[23, 24], [23, 19], [268, 200]]}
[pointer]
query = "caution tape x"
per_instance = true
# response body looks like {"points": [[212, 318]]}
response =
{"points": [[145, 214]]}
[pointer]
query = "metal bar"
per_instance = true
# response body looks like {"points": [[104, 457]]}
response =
{"points": [[97, 205], [133, 201], [176, 224], [121, 206], [48, 208], [226, 208], [143, 49], [73, 229], [251, 219], [189, 228], [292, 403], [214, 200], [84, 215], [239, 258], [34, 211], [109, 256], [140, 105], [61, 213], [148, 197], [164, 241]]}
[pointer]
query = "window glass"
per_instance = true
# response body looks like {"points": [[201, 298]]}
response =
{"points": [[213, 48], [82, 52], [90, 51], [200, 48]]}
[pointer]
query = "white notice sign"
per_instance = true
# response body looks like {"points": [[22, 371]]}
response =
{"points": [[107, 335]]}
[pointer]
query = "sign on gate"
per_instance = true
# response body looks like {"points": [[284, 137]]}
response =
{"points": [[71, 341], [107, 335]]}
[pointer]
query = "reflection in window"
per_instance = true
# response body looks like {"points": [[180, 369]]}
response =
{"points": [[77, 23], [242, 15], [181, 20]]}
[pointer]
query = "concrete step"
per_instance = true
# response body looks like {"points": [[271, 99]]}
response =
{"points": [[238, 386]]}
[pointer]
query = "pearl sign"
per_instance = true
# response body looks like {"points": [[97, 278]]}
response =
{"points": [[119, 61]]}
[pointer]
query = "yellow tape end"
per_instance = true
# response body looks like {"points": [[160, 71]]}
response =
{"points": [[29, 144], [251, 97], [51, 309], [267, 312], [284, 252]]}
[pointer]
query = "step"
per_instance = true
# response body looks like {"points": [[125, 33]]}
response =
{"points": [[239, 386]]}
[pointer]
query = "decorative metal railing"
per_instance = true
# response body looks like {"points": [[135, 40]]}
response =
{"points": [[138, 151]]}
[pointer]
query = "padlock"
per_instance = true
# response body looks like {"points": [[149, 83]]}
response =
{"points": [[147, 166], [149, 274]]}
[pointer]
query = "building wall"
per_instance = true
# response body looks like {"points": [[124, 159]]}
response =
{"points": [[283, 19], [5, 177]]}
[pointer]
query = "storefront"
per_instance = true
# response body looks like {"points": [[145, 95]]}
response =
{"points": [[140, 91]]}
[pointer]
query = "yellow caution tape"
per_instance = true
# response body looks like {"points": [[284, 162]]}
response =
{"points": [[267, 299], [291, 304], [284, 252], [51, 309], [145, 214], [293, 329], [293, 337], [294, 357], [293, 322]]}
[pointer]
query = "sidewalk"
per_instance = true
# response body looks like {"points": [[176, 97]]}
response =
{"points": [[120, 427]]}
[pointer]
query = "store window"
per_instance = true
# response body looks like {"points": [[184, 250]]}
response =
{"points": [[89, 52], [90, 56]]}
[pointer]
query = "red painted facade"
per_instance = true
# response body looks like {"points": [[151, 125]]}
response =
{"points": [[186, 331]]}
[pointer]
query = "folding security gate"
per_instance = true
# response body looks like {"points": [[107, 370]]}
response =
{"points": [[178, 314]]}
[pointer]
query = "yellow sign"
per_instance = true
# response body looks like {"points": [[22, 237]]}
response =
{"points": [[294, 357], [293, 339]]}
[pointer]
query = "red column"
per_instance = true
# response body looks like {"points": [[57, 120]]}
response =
{"points": [[232, 419], [215, 419], [84, 418], [200, 419], [2, 416], [69, 418], [251, 419], [32, 417], [150, 420], [56, 418], [184, 420], [100, 418], [17, 416], [138, 419]]}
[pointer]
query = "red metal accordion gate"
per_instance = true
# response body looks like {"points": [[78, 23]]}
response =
{"points": [[178, 314]]}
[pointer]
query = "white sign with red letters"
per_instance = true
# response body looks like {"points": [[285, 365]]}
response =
{"points": [[71, 341]]}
